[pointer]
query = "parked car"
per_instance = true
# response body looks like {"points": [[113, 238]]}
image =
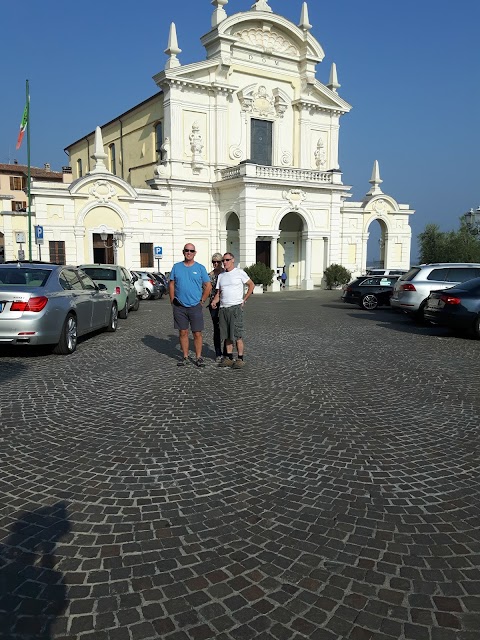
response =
{"points": [[412, 289], [119, 282], [152, 288], [139, 286], [42, 304], [162, 282], [386, 272], [457, 307], [370, 292]]}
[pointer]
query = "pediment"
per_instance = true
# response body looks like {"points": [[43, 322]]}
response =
{"points": [[102, 187], [266, 40]]}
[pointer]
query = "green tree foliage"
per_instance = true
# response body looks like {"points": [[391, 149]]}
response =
{"points": [[336, 275], [462, 245], [260, 274]]}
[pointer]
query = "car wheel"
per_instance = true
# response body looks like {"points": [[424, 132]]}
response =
{"points": [[137, 304], [145, 294], [124, 312], [113, 321], [369, 301], [68, 338], [419, 316]]}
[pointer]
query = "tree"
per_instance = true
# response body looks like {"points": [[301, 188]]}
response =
{"points": [[260, 274], [336, 275], [449, 246]]}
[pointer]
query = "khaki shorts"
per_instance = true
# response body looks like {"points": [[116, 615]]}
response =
{"points": [[231, 323]]}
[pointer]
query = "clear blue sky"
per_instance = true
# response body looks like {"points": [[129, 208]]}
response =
{"points": [[409, 68]]}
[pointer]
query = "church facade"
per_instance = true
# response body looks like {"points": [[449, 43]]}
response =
{"points": [[237, 152]]}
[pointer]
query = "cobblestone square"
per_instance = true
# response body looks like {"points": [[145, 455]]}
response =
{"points": [[328, 490]]}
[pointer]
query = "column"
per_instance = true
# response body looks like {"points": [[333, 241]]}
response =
{"points": [[275, 286], [223, 241], [307, 282]]}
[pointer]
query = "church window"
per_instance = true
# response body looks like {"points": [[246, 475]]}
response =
{"points": [[113, 160], [79, 168], [261, 142]]}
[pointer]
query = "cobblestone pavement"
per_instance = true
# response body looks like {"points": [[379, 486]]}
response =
{"points": [[329, 490]]}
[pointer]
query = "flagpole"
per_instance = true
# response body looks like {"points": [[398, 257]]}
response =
{"points": [[28, 177]]}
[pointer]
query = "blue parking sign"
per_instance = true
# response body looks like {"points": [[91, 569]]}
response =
{"points": [[38, 234], [158, 252]]}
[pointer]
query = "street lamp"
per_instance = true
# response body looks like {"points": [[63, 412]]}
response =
{"points": [[118, 240], [472, 219]]}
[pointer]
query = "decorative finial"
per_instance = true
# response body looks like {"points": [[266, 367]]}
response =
{"points": [[304, 22], [375, 181], [219, 14], [99, 154], [333, 83], [261, 5], [172, 49]]}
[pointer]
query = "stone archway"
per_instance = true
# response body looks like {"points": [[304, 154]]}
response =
{"points": [[2, 247], [233, 235], [376, 244], [291, 254]]}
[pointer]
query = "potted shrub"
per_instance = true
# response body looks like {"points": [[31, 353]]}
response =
{"points": [[336, 275], [261, 275]]}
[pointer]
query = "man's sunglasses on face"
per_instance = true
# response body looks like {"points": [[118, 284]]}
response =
{"points": [[226, 259], [189, 251]]}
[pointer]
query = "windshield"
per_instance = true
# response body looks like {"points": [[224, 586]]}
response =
{"points": [[410, 274], [24, 276], [100, 273]]}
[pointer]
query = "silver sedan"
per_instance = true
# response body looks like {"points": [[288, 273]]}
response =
{"points": [[43, 303]]}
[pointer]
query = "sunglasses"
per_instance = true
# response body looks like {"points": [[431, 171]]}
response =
{"points": [[189, 251], [216, 262], [226, 259]]}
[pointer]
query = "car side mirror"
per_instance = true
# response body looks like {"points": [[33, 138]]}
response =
{"points": [[101, 287], [134, 278]]}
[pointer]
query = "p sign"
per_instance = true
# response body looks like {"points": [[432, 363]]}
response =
{"points": [[158, 252], [38, 234]]}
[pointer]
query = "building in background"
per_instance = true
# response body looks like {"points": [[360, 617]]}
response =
{"points": [[14, 202], [236, 152]]}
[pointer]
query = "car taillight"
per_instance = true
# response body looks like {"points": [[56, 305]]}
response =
{"points": [[407, 287], [117, 291], [152, 282], [34, 304], [450, 299], [349, 289]]}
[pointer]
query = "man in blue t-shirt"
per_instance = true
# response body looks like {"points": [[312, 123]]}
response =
{"points": [[189, 287]]}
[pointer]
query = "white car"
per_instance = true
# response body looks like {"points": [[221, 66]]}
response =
{"points": [[139, 285]]}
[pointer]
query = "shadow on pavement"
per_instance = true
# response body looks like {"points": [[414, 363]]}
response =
{"points": [[11, 370], [390, 319], [169, 346], [32, 593]]}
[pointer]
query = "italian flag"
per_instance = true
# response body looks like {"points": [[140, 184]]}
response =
{"points": [[23, 126]]}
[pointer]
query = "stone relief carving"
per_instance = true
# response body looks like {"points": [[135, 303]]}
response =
{"points": [[295, 197], [269, 41], [102, 190], [196, 146], [380, 206], [259, 101], [286, 158], [196, 141], [320, 155]]}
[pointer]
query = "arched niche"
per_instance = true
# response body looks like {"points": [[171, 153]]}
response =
{"points": [[232, 226]]}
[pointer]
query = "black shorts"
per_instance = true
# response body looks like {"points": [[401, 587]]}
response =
{"points": [[185, 317]]}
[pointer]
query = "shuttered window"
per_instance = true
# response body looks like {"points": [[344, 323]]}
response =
{"points": [[57, 251], [146, 254], [261, 143]]}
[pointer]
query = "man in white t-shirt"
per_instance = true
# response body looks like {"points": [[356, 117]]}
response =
{"points": [[231, 296]]}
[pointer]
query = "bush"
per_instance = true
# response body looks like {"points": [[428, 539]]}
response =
{"points": [[336, 275], [260, 274]]}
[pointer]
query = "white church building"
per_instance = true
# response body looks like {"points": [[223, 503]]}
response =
{"points": [[237, 152]]}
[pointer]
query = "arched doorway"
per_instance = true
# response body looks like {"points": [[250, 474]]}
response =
{"points": [[376, 244], [233, 236], [290, 254], [2, 247]]}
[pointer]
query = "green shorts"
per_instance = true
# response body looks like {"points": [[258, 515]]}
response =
{"points": [[231, 323]]}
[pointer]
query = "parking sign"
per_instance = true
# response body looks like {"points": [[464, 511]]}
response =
{"points": [[158, 252], [38, 234]]}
